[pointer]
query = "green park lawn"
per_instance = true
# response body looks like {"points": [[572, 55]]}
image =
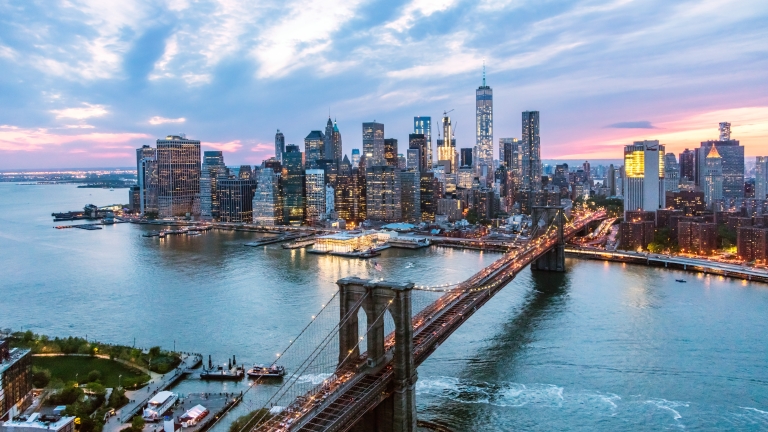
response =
{"points": [[66, 368]]}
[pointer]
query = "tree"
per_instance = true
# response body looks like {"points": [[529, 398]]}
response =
{"points": [[40, 377], [137, 423], [472, 217], [250, 420], [94, 375], [154, 351]]}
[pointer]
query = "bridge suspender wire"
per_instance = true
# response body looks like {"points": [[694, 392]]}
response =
{"points": [[269, 424], [293, 379], [279, 356]]}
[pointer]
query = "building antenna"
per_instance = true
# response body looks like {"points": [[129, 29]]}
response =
{"points": [[483, 72]]}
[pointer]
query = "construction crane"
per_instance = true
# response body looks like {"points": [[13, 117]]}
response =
{"points": [[445, 113]]}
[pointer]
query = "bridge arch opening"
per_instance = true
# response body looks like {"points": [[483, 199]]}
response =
{"points": [[362, 330]]}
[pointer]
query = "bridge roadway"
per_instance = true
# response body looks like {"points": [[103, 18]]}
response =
{"points": [[342, 400]]}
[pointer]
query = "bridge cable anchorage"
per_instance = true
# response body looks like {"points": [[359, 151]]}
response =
{"points": [[275, 421], [278, 357], [294, 378]]}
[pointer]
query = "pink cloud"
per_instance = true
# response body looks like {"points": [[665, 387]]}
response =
{"points": [[749, 125], [231, 146], [13, 138]]}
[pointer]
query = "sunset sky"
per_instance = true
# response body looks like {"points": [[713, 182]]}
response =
{"points": [[85, 82]]}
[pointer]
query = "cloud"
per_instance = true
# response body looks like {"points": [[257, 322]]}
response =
{"points": [[13, 138], [157, 120], [231, 146], [88, 111], [79, 126], [417, 9], [642, 124]]}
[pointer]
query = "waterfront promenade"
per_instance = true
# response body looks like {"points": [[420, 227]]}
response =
{"points": [[694, 264], [140, 397]]}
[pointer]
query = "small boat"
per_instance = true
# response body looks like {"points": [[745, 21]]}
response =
{"points": [[193, 233], [681, 280], [370, 253], [261, 371]]}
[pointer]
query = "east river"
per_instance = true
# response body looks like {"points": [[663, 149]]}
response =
{"points": [[604, 346]]}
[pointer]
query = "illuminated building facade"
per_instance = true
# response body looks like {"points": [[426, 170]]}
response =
{"points": [[713, 178], [373, 143], [178, 170], [451, 208], [644, 175], [293, 185], [236, 200], [148, 184], [314, 183], [418, 141], [355, 158], [428, 195], [350, 194], [267, 205], [15, 380], [687, 165], [382, 199], [346, 242], [423, 125], [761, 177], [691, 203], [314, 147], [732, 154], [213, 170], [530, 153], [413, 159], [752, 243], [390, 152], [410, 196], [446, 147], [697, 237], [483, 160]]}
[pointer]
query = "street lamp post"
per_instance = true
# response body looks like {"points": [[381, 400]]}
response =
{"points": [[119, 381]]}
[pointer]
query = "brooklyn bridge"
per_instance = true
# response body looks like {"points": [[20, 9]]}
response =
{"points": [[354, 366]]}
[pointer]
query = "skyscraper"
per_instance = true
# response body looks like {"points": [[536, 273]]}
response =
{"points": [[178, 168], [761, 177], [213, 170], [423, 125], [279, 145], [466, 157], [382, 199], [530, 154], [732, 155], [355, 158], [267, 207], [644, 173], [336, 144], [410, 196], [509, 149], [236, 200], [373, 143], [293, 185], [390, 152], [713, 178], [141, 153], [328, 140], [245, 172], [314, 146], [671, 173], [419, 142], [484, 130], [314, 186], [687, 165], [446, 147], [148, 186]]}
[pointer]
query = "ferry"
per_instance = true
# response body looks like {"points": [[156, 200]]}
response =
{"points": [[158, 405], [223, 374], [261, 371]]}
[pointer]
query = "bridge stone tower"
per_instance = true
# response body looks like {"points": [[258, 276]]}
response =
{"points": [[554, 259], [396, 413]]}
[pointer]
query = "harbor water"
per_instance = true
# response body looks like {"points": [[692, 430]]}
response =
{"points": [[605, 346]]}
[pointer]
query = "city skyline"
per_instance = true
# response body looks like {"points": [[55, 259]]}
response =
{"points": [[104, 80]]}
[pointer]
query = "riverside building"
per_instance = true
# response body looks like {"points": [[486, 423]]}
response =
{"points": [[644, 174], [15, 380], [267, 204], [178, 170]]}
